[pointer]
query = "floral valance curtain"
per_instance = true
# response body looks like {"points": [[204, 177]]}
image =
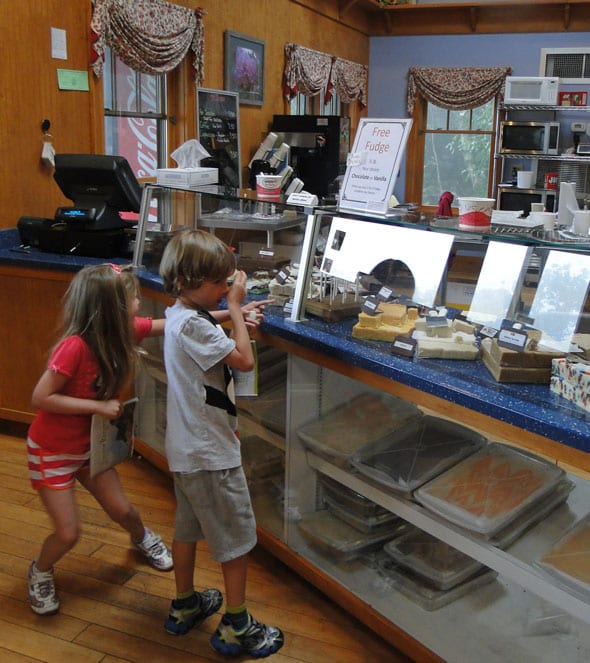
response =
{"points": [[455, 88], [150, 36], [309, 72]]}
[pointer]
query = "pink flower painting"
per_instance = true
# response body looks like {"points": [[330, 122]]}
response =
{"points": [[246, 70]]}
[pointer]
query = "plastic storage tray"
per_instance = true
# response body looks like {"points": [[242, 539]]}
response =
{"points": [[569, 558], [339, 539], [344, 430], [489, 489], [261, 459], [436, 561], [367, 525], [422, 449], [355, 503], [268, 408], [420, 591], [531, 516]]}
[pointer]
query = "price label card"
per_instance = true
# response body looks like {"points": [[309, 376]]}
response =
{"points": [[288, 307], [282, 276], [405, 346], [385, 293], [488, 332], [370, 305], [266, 252], [512, 339]]}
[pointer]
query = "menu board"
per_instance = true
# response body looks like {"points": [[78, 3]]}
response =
{"points": [[218, 131]]}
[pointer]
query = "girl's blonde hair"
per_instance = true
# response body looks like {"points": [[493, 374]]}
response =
{"points": [[95, 308], [192, 257], [130, 281]]}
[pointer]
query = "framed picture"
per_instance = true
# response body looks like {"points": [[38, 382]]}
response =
{"points": [[244, 67]]}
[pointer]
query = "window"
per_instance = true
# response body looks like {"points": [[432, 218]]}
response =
{"points": [[452, 150], [302, 105], [134, 116]]}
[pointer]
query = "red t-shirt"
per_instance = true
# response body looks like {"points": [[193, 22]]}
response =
{"points": [[70, 433]]}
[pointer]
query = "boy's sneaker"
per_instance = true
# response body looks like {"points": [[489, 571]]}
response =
{"points": [[155, 551], [42, 596], [257, 640], [182, 618]]}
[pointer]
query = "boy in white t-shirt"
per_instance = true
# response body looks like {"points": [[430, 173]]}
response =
{"points": [[202, 447]]}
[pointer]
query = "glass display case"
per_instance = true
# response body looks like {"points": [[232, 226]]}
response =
{"points": [[165, 209], [348, 355]]}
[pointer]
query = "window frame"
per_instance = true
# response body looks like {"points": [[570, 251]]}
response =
{"points": [[416, 147], [111, 98]]}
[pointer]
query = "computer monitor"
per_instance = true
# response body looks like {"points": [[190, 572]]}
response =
{"points": [[101, 186]]}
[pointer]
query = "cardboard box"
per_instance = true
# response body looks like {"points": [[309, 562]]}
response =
{"points": [[187, 177]]}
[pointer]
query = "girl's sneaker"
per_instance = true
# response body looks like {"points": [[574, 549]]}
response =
{"points": [[42, 596], [155, 551], [257, 640], [184, 615]]}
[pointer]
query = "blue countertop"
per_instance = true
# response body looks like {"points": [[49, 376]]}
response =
{"points": [[531, 407]]}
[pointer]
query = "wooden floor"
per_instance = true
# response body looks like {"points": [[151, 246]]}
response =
{"points": [[114, 605]]}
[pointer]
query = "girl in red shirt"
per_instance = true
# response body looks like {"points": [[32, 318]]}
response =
{"points": [[88, 369]]}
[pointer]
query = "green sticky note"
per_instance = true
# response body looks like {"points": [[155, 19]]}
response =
{"points": [[72, 79]]}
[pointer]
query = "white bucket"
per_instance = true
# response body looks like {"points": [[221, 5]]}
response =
{"points": [[475, 213], [268, 186]]}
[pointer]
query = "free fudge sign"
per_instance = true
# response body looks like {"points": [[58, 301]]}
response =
{"points": [[373, 165]]}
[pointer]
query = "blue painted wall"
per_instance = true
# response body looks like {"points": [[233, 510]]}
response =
{"points": [[391, 57]]}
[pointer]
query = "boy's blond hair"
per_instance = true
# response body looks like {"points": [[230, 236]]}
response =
{"points": [[192, 257]]}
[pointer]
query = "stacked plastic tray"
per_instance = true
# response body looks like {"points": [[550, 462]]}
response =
{"points": [[406, 458], [341, 541], [355, 509], [352, 425], [351, 526], [429, 572], [569, 558], [488, 490]]}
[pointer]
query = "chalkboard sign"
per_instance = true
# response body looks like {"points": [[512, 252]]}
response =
{"points": [[218, 129]]}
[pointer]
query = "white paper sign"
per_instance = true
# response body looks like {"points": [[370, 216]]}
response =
{"points": [[373, 165]]}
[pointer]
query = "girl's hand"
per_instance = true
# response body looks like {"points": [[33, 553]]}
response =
{"points": [[110, 409]]}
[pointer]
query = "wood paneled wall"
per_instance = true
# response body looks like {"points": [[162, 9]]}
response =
{"points": [[29, 92]]}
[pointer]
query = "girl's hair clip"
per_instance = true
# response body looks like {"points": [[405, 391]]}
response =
{"points": [[115, 268]]}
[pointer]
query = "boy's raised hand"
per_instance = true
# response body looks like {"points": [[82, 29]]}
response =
{"points": [[237, 291]]}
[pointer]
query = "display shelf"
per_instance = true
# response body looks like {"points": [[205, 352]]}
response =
{"points": [[256, 428], [496, 623], [241, 210], [516, 564]]}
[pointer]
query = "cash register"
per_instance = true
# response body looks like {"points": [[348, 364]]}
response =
{"points": [[101, 188]]}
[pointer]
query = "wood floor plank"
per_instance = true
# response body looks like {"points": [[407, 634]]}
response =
{"points": [[114, 605], [14, 657], [44, 647], [17, 611]]}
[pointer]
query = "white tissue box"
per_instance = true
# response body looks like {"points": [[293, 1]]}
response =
{"points": [[187, 177]]}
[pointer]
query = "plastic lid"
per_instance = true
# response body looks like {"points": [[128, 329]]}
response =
{"points": [[351, 425], [417, 452], [489, 489], [431, 558]]}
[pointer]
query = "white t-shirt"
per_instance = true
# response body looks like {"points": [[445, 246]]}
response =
{"points": [[201, 421]]}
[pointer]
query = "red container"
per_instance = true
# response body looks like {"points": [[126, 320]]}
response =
{"points": [[551, 180]]}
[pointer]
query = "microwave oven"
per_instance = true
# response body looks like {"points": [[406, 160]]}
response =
{"points": [[529, 137], [531, 90], [513, 199]]}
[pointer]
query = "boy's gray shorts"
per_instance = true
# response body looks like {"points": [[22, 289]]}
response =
{"points": [[215, 506]]}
